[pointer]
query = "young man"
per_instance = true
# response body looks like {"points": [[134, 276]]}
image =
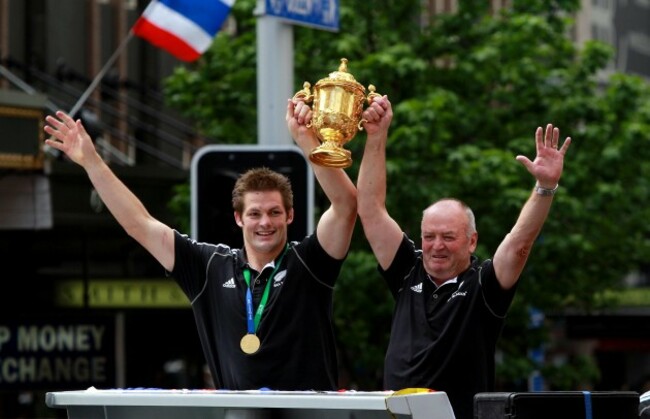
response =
{"points": [[263, 312], [450, 307]]}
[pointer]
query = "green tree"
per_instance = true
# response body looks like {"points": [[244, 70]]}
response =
{"points": [[468, 90]]}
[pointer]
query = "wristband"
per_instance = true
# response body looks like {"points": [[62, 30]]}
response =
{"points": [[545, 191]]}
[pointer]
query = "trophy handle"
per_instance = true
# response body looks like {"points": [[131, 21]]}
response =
{"points": [[305, 95], [371, 96]]}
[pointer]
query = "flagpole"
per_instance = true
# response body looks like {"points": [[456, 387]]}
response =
{"points": [[101, 74], [104, 69]]}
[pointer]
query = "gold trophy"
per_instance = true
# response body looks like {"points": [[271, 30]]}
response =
{"points": [[337, 105]]}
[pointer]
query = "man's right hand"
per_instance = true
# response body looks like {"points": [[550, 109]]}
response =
{"points": [[70, 137], [378, 116]]}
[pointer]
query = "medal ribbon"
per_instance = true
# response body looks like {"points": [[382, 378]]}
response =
{"points": [[253, 323]]}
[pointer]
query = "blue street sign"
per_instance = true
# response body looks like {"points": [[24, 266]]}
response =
{"points": [[320, 14]]}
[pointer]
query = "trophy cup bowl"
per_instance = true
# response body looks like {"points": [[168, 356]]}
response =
{"points": [[337, 105]]}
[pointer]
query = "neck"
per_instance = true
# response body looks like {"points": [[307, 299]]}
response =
{"points": [[439, 282], [258, 260]]}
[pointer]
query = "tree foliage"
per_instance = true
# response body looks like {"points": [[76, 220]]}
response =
{"points": [[468, 90]]}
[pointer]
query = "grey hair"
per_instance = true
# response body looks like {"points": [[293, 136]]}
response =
{"points": [[471, 219]]}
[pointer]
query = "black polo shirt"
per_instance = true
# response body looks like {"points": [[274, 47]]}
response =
{"points": [[444, 338], [297, 349]]}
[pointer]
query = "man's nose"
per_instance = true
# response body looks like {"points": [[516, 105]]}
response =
{"points": [[438, 243]]}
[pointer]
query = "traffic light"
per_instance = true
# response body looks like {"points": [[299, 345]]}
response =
{"points": [[215, 168]]}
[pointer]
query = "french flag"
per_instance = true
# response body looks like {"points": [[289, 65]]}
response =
{"points": [[184, 28]]}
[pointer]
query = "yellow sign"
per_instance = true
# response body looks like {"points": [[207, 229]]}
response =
{"points": [[114, 293]]}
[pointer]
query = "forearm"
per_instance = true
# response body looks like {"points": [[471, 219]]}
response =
{"points": [[371, 182], [336, 225], [338, 188], [383, 233], [512, 254], [335, 183], [156, 237], [532, 216], [71, 138], [127, 209]]}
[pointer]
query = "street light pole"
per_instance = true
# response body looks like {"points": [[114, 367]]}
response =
{"points": [[274, 77]]}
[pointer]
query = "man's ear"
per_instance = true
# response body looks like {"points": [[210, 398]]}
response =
{"points": [[473, 242], [290, 216], [238, 219]]}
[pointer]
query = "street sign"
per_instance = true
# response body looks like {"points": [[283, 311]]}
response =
{"points": [[320, 14]]}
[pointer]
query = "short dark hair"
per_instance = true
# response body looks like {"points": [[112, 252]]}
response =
{"points": [[258, 180]]}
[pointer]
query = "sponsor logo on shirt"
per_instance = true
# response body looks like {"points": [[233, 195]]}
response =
{"points": [[417, 288], [229, 283], [457, 294], [278, 279]]}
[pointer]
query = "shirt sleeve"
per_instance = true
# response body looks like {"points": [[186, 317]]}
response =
{"points": [[496, 298], [319, 265], [190, 262], [403, 263]]}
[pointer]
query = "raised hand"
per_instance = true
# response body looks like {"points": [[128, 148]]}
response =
{"points": [[298, 118], [548, 164], [70, 137], [377, 116]]}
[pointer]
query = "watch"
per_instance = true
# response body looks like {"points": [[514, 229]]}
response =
{"points": [[545, 191]]}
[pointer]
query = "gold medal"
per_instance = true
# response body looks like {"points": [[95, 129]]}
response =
{"points": [[249, 343]]}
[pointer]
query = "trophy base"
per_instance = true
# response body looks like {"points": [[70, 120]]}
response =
{"points": [[339, 158]]}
